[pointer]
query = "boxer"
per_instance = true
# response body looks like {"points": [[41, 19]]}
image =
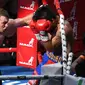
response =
{"points": [[46, 25], [8, 26]]}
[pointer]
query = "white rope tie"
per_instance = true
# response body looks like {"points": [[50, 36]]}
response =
{"points": [[63, 39], [70, 56]]}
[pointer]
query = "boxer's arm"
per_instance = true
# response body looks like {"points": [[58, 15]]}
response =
{"points": [[56, 40], [22, 21], [13, 24]]}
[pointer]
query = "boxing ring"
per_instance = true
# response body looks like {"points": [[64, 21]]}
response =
{"points": [[68, 79], [66, 63], [21, 77]]}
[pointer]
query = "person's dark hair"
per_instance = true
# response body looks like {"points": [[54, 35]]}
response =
{"points": [[4, 13], [44, 12]]}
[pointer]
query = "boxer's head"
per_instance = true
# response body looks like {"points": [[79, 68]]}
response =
{"points": [[4, 17], [46, 14]]}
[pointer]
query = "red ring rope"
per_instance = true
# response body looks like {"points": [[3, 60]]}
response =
{"points": [[8, 49], [44, 2], [57, 4]]}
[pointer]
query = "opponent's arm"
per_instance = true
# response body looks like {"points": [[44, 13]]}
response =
{"points": [[21, 21], [15, 23]]}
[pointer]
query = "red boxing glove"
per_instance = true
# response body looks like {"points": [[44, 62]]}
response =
{"points": [[35, 31], [32, 26], [43, 25], [40, 29]]}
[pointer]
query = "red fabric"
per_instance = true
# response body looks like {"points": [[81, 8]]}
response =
{"points": [[25, 7], [39, 57], [26, 48], [49, 62], [44, 1]]}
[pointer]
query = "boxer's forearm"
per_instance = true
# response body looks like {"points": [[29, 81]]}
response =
{"points": [[13, 24], [48, 45], [51, 44], [23, 21], [27, 19]]}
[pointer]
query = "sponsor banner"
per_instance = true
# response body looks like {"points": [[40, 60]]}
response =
{"points": [[26, 7], [26, 48]]}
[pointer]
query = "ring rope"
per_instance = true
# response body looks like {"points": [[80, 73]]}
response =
{"points": [[70, 56], [66, 62], [31, 77], [63, 37], [8, 49], [44, 2]]}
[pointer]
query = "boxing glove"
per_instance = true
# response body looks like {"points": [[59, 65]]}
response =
{"points": [[44, 36], [33, 28], [43, 25]]}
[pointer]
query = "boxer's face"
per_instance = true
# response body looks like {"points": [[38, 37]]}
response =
{"points": [[3, 23]]}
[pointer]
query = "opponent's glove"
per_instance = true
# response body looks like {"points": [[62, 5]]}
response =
{"points": [[33, 28], [43, 25]]}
